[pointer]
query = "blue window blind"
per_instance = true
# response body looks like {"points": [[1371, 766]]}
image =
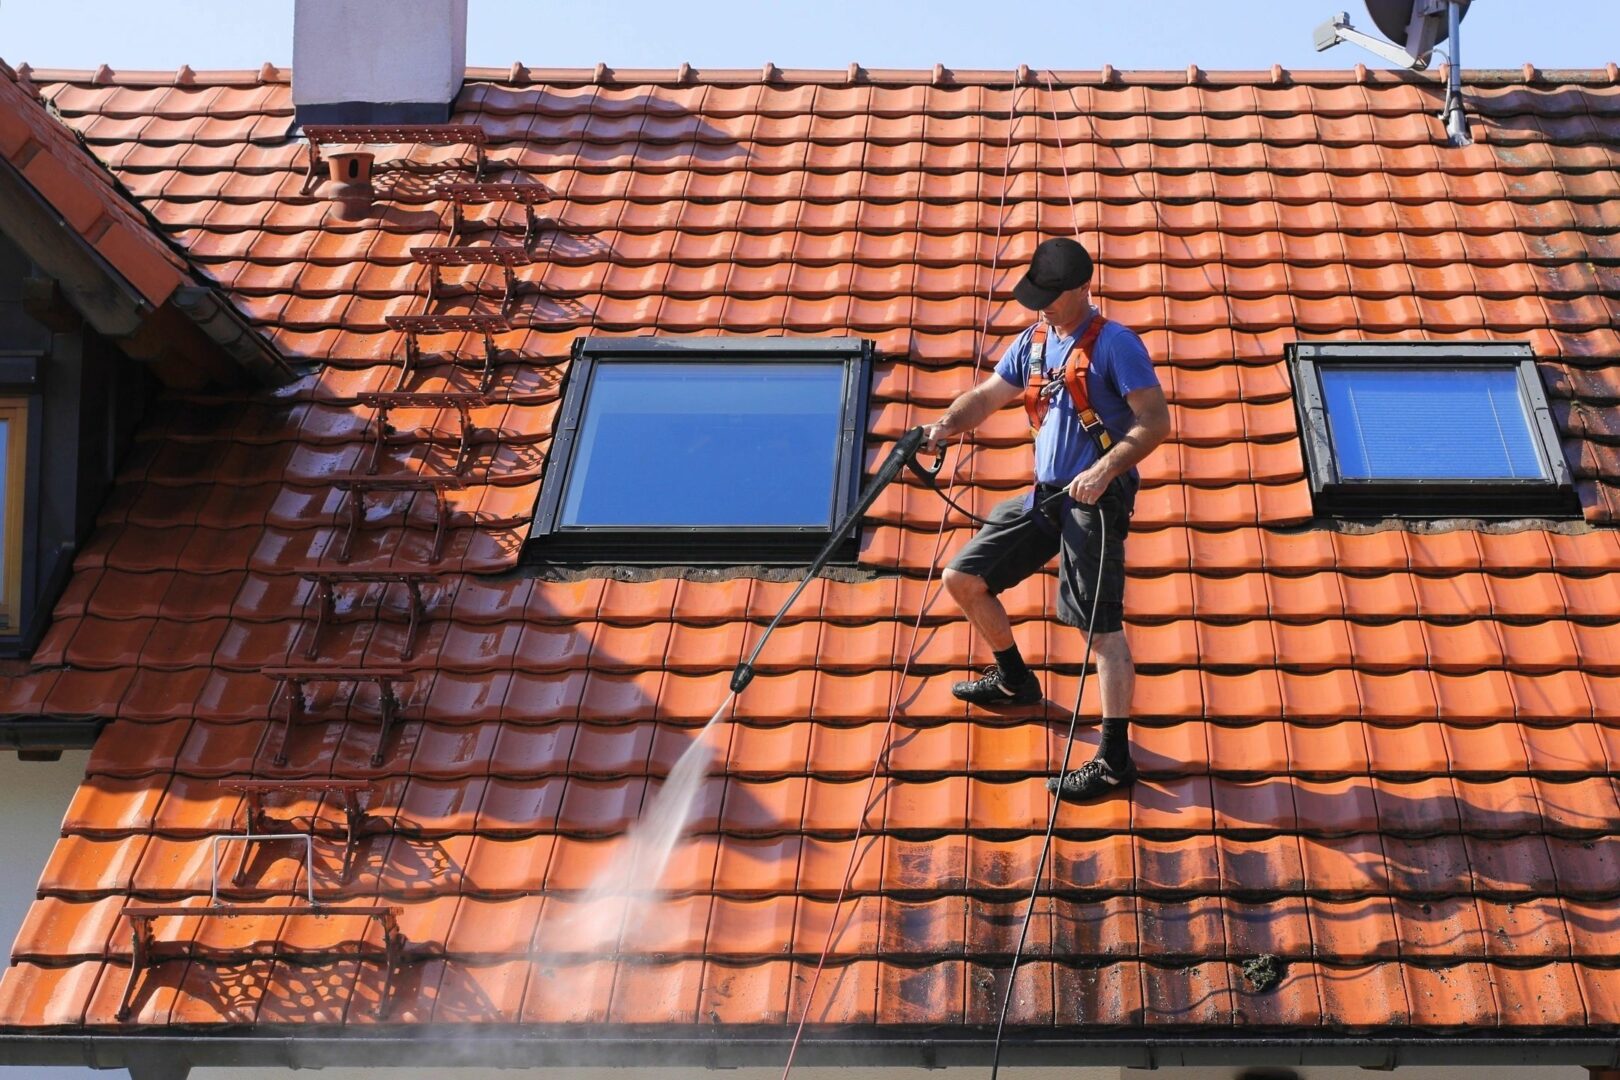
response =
{"points": [[1429, 423], [706, 443]]}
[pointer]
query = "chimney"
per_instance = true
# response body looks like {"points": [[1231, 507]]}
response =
{"points": [[377, 61]]}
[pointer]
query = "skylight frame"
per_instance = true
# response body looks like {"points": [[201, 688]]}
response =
{"points": [[551, 541], [1552, 495]]}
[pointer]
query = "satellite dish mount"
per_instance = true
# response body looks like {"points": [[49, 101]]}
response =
{"points": [[1414, 28]]}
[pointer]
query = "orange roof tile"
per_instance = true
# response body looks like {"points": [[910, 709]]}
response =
{"points": [[1383, 757], [50, 158]]}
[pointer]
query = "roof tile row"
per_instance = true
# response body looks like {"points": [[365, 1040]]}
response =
{"points": [[1386, 757]]}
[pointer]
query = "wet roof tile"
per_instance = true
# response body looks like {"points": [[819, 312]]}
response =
{"points": [[1382, 755]]}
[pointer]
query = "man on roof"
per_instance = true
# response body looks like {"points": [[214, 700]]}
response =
{"points": [[1097, 410]]}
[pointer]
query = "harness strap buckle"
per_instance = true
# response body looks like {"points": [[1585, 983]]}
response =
{"points": [[1039, 389]]}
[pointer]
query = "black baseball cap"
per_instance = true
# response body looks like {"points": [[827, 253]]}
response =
{"points": [[1058, 265]]}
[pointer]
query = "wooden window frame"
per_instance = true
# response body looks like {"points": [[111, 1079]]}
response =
{"points": [[13, 504]]}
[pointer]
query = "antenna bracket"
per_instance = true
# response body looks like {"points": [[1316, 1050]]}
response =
{"points": [[1338, 29]]}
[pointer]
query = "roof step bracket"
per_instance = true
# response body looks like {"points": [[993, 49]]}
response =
{"points": [[261, 826], [506, 256], [326, 582], [146, 950], [413, 326], [319, 135], [385, 678], [526, 195], [359, 485], [462, 402]]}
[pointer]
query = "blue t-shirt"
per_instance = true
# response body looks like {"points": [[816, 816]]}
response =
{"points": [[1119, 366]]}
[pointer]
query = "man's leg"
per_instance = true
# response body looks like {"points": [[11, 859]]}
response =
{"points": [[981, 607], [1116, 672], [1112, 767], [1002, 554], [1008, 681], [1116, 678], [1092, 585]]}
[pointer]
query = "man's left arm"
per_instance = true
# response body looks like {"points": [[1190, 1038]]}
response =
{"points": [[1150, 424]]}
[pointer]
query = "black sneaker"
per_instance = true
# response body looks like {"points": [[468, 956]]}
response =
{"points": [[992, 688], [1091, 780]]}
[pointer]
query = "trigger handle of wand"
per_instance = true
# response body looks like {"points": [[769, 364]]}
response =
{"points": [[928, 474]]}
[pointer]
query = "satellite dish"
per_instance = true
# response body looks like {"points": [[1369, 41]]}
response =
{"points": [[1413, 28], [1418, 25]]}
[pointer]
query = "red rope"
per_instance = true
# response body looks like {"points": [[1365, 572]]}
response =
{"points": [[1063, 159], [916, 629], [1080, 691]]}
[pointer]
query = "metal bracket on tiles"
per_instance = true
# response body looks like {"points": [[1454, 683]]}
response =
{"points": [[385, 679], [146, 952], [359, 485], [326, 582], [261, 826], [249, 838], [506, 256], [526, 195], [413, 326], [462, 402], [390, 135]]}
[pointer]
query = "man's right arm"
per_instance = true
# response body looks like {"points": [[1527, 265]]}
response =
{"points": [[971, 409]]}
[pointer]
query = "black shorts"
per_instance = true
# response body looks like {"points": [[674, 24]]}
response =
{"points": [[1015, 546]]}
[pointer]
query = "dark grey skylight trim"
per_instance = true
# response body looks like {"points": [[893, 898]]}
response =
{"points": [[552, 542], [1428, 498]]}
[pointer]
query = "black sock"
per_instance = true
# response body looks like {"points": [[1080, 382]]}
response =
{"points": [[1115, 747], [1012, 665]]}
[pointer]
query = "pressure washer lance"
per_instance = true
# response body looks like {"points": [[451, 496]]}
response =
{"points": [[904, 455]]}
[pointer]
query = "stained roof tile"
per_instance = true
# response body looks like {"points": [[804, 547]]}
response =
{"points": [[1381, 755]]}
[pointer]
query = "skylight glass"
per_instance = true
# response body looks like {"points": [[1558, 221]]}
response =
{"points": [[1429, 422], [1430, 430], [703, 444]]}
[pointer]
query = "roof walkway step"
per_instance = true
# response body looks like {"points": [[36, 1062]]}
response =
{"points": [[319, 135], [471, 255]]}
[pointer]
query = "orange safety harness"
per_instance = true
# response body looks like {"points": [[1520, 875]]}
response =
{"points": [[1039, 390]]}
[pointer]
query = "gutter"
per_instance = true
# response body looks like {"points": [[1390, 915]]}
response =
{"points": [[48, 735], [169, 1053], [224, 326]]}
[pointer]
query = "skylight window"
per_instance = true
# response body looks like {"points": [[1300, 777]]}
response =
{"points": [[720, 450], [1423, 430]]}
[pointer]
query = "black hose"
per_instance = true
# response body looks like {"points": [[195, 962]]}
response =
{"points": [[903, 455], [1057, 801], [1040, 506]]}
